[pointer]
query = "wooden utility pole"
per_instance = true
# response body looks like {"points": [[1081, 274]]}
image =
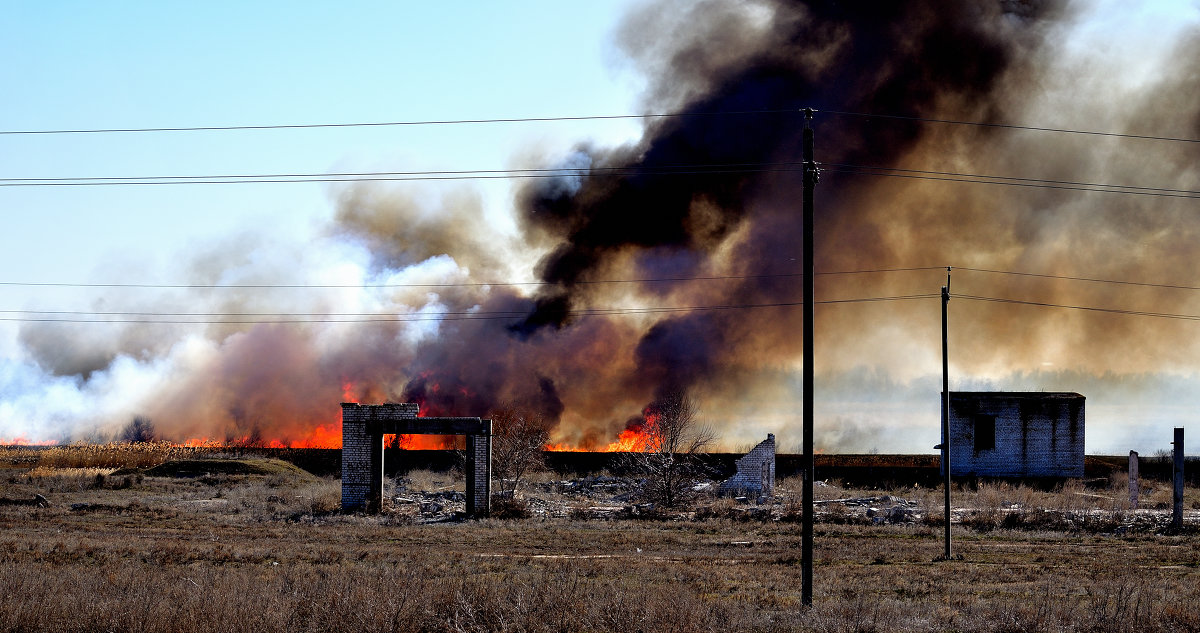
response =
{"points": [[946, 411], [806, 543], [1177, 467]]}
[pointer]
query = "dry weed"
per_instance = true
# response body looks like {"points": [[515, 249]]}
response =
{"points": [[139, 455]]}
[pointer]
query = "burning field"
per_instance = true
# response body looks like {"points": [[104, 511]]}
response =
{"points": [[627, 273]]}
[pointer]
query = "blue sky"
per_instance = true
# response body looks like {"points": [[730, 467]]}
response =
{"points": [[90, 65]]}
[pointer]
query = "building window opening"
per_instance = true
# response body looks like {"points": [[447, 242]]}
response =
{"points": [[985, 432]]}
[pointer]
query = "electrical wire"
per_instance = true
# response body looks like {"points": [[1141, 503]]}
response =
{"points": [[1010, 181], [243, 318], [1144, 284], [598, 172], [656, 115], [1012, 126], [303, 318], [238, 318], [37, 284], [878, 270], [512, 173], [646, 280], [410, 176], [224, 128], [1161, 315], [1014, 179]]}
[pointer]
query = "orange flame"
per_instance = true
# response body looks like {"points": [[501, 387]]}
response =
{"points": [[22, 441], [420, 442], [636, 438], [202, 442], [324, 436], [629, 441], [348, 394]]}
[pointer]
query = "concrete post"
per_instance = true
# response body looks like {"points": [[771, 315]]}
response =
{"points": [[1177, 507], [1133, 480]]}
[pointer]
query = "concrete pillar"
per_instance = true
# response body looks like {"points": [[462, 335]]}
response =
{"points": [[1177, 507], [1133, 480]]}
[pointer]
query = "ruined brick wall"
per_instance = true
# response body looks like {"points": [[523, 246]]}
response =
{"points": [[479, 474], [363, 428], [362, 452], [755, 472], [1016, 434]]}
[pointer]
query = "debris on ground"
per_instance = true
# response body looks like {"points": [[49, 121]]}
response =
{"points": [[38, 501], [607, 497]]}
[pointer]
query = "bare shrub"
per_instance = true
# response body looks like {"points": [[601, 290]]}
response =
{"points": [[140, 429], [1119, 604], [426, 481], [674, 442], [984, 520], [509, 508], [518, 441]]}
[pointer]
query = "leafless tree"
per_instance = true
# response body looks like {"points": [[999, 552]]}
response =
{"points": [[674, 442], [518, 441], [139, 429]]}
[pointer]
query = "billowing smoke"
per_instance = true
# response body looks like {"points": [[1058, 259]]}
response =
{"points": [[671, 263]]}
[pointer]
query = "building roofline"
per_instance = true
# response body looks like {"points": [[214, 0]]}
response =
{"points": [[1025, 395]]}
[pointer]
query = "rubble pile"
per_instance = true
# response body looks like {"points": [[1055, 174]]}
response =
{"points": [[606, 497], [883, 509]]}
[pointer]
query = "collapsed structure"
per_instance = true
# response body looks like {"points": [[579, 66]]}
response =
{"points": [[755, 475], [1016, 434], [363, 428]]}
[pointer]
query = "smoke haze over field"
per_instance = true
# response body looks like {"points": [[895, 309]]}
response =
{"points": [[701, 215]]}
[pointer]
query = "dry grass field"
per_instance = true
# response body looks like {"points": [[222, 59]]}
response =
{"points": [[185, 541]]}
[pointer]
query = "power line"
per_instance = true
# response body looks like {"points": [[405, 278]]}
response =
{"points": [[1013, 179], [1087, 279], [1010, 181], [596, 172], [1012, 126], [374, 318], [878, 270], [509, 173], [303, 318], [299, 126], [415, 317], [641, 280], [38, 284], [1161, 315], [656, 115], [482, 174], [248, 318]]}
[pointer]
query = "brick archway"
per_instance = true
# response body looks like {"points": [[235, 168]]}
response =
{"points": [[363, 428]]}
